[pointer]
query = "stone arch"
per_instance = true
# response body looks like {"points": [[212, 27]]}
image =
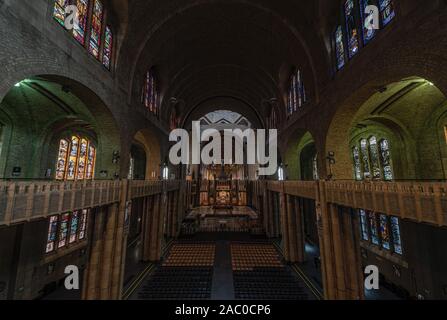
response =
{"points": [[148, 140], [41, 107]]}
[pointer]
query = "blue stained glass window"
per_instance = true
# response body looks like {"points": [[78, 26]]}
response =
{"points": [[364, 225], [351, 28], [74, 225], [385, 232], [365, 158], [397, 241], [373, 228], [368, 34], [52, 233], [63, 230], [339, 47], [387, 11]]}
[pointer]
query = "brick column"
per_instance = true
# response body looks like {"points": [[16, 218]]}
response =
{"points": [[354, 273], [299, 231], [155, 228], [283, 214], [92, 275], [292, 230], [339, 254], [147, 227]]}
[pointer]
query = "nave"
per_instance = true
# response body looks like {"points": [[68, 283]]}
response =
{"points": [[222, 266]]}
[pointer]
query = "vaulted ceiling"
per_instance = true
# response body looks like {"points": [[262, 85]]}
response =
{"points": [[218, 51]]}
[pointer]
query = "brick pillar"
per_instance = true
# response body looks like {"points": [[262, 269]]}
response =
{"points": [[292, 230], [325, 234], [284, 225], [108, 251], [147, 227], [154, 228], [355, 290], [162, 214], [338, 249], [267, 211], [90, 290], [299, 231]]}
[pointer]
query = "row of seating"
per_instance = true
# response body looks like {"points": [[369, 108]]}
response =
{"points": [[191, 254], [186, 274], [249, 256]]}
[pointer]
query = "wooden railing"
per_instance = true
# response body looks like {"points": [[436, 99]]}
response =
{"points": [[417, 201], [23, 201], [139, 189]]}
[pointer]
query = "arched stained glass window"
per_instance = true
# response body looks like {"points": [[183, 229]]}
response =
{"points": [[297, 93], [365, 158], [351, 28], [364, 225], [59, 10], [339, 48], [66, 229], [384, 232], [74, 226], [385, 158], [368, 34], [52, 234], [150, 93], [108, 47], [88, 28], [387, 11], [76, 159], [63, 230], [357, 163], [395, 231], [372, 160], [375, 161], [96, 29], [374, 228], [80, 28]]}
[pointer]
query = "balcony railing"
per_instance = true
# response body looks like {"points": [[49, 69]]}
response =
{"points": [[24, 201], [417, 201]]}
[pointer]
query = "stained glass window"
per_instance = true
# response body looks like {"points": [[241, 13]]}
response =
{"points": [[357, 163], [364, 225], [63, 230], [108, 46], [96, 28], [74, 225], [297, 93], [374, 155], [83, 225], [351, 28], [397, 241], [80, 27], [365, 158], [76, 159], [339, 47], [368, 34], [66, 229], [62, 159], [52, 234], [384, 232], [150, 93], [387, 11], [59, 10], [385, 159], [373, 228]]}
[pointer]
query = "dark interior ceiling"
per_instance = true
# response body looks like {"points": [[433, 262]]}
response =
{"points": [[213, 50]]}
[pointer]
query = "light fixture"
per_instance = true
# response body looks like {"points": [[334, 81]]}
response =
{"points": [[18, 84], [165, 174], [281, 173]]}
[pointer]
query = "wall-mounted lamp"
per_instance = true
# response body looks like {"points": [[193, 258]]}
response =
{"points": [[331, 159]]}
